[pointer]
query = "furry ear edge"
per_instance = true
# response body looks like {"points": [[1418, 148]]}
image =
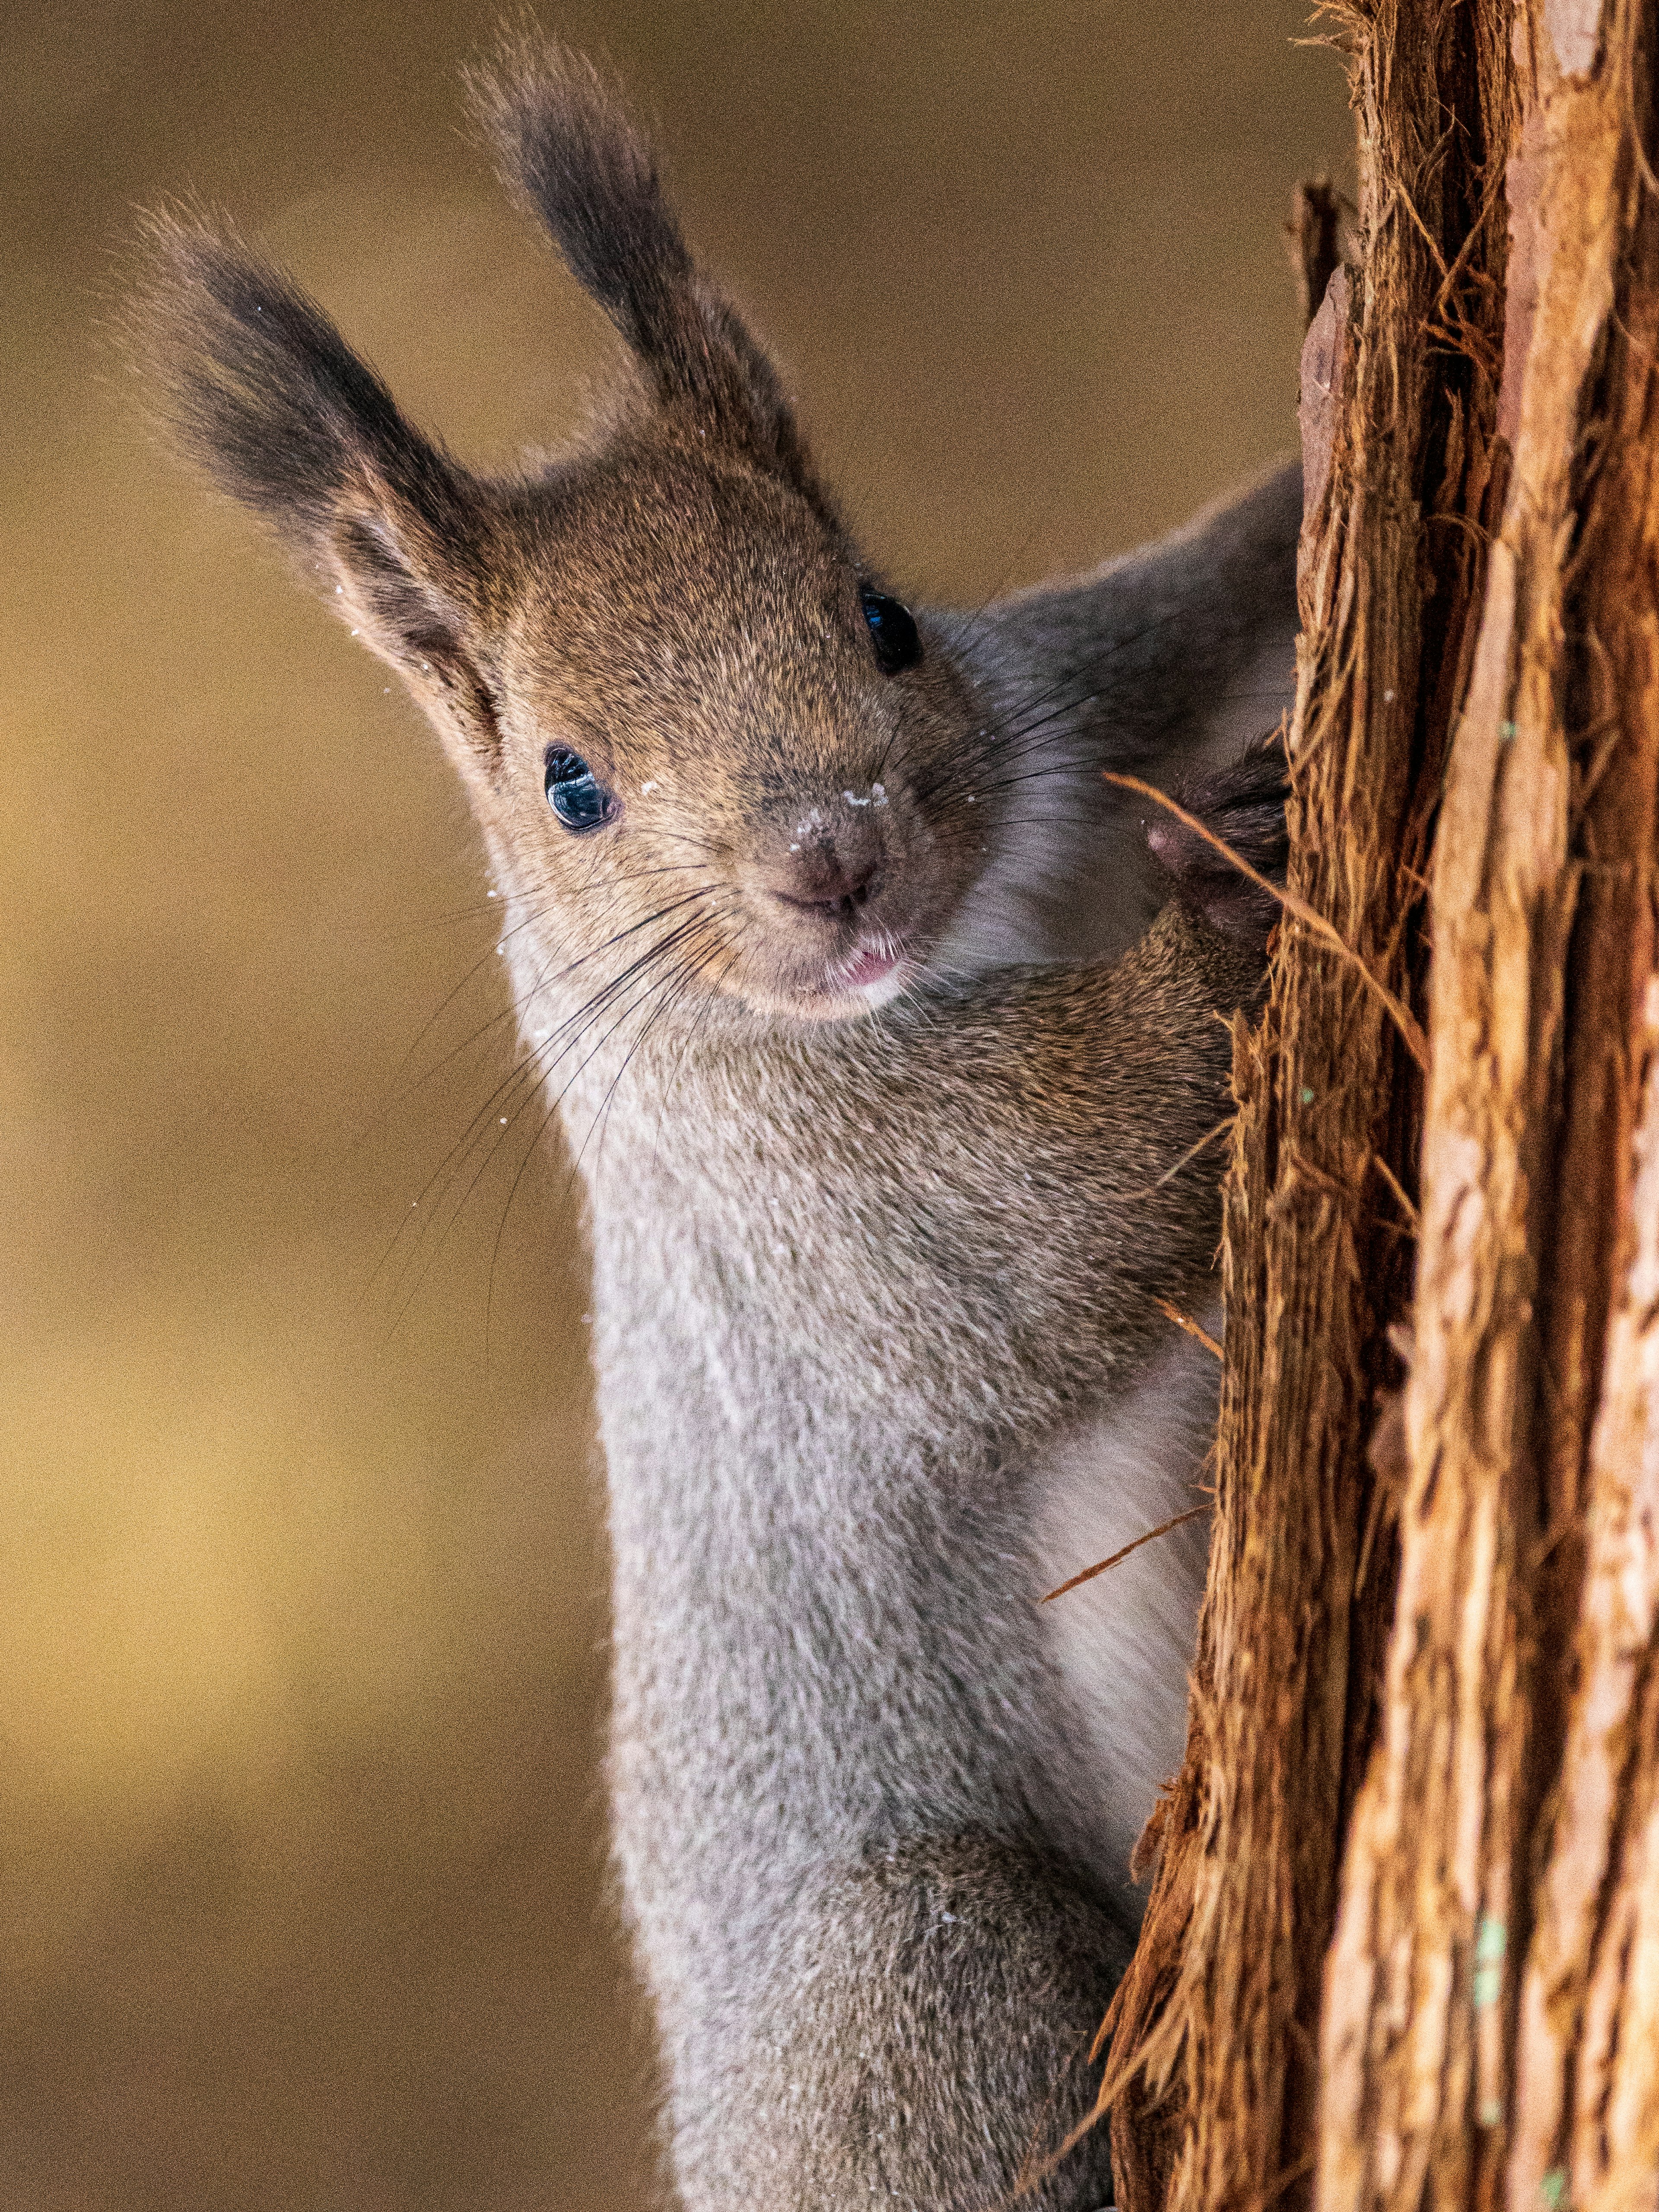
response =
{"points": [[396, 603], [568, 150], [254, 384]]}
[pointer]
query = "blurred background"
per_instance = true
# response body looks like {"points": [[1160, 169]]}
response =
{"points": [[302, 1569]]}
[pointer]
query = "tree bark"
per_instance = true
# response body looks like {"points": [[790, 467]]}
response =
{"points": [[1402, 1947], [1483, 1989]]}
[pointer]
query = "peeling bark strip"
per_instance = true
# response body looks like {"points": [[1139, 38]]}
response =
{"points": [[1212, 2077], [1492, 2024], [1589, 1996]]}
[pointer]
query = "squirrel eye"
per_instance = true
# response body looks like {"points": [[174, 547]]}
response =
{"points": [[892, 631], [574, 793]]}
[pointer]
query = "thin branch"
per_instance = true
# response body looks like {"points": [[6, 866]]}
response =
{"points": [[1187, 1157], [1397, 1187]]}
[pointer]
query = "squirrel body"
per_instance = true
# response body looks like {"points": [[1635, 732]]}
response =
{"points": [[889, 1075], [858, 1370]]}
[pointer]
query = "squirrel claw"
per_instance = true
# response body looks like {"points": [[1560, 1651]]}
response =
{"points": [[1243, 805]]}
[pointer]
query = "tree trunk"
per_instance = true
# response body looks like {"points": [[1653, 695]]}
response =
{"points": [[1402, 1947]]}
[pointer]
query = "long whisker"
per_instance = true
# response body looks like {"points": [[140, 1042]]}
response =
{"points": [[666, 992], [627, 990], [734, 953], [544, 982], [523, 1079], [669, 991]]}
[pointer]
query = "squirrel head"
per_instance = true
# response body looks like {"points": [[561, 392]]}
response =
{"points": [[696, 731]]}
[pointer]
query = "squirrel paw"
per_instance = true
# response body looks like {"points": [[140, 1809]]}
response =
{"points": [[1243, 806]]}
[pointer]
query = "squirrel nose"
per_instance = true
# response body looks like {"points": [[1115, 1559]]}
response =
{"points": [[827, 883], [829, 875]]}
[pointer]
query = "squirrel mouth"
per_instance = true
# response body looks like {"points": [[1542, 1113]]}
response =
{"points": [[870, 963], [876, 963]]}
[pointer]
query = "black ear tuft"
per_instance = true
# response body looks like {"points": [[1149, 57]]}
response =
{"points": [[257, 386], [567, 148], [261, 391]]}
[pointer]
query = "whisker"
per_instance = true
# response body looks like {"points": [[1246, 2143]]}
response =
{"points": [[531, 1068], [684, 972], [669, 990], [520, 1085], [544, 982]]}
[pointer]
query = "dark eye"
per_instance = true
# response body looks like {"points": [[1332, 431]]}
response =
{"points": [[574, 793], [893, 632]]}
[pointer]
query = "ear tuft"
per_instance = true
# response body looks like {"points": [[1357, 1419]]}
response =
{"points": [[568, 149], [257, 386]]}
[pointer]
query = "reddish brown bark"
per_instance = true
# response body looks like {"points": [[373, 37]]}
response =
{"points": [[1426, 1701], [1489, 2031], [1427, 1690], [1214, 2070]]}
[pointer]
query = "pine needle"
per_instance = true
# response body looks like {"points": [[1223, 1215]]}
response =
{"points": [[1101, 1566], [1186, 1321]]}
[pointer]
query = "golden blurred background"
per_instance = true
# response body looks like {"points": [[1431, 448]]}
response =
{"points": [[302, 1617]]}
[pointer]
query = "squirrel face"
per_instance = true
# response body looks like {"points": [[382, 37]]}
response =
{"points": [[708, 713], [691, 724]]}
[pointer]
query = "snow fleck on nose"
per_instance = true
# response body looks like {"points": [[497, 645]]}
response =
{"points": [[852, 801], [646, 789]]}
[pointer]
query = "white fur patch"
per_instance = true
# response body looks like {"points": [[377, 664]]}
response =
{"points": [[1123, 1642]]}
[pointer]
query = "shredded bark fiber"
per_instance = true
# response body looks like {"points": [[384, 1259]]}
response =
{"points": [[1213, 2075], [1402, 1949]]}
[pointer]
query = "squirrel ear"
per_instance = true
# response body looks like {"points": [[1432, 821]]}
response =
{"points": [[256, 385], [568, 149], [406, 598]]}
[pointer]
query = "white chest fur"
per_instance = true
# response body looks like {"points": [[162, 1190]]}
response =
{"points": [[1122, 1642]]}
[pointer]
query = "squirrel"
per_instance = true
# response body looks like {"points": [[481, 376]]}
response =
{"points": [[889, 1059]]}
